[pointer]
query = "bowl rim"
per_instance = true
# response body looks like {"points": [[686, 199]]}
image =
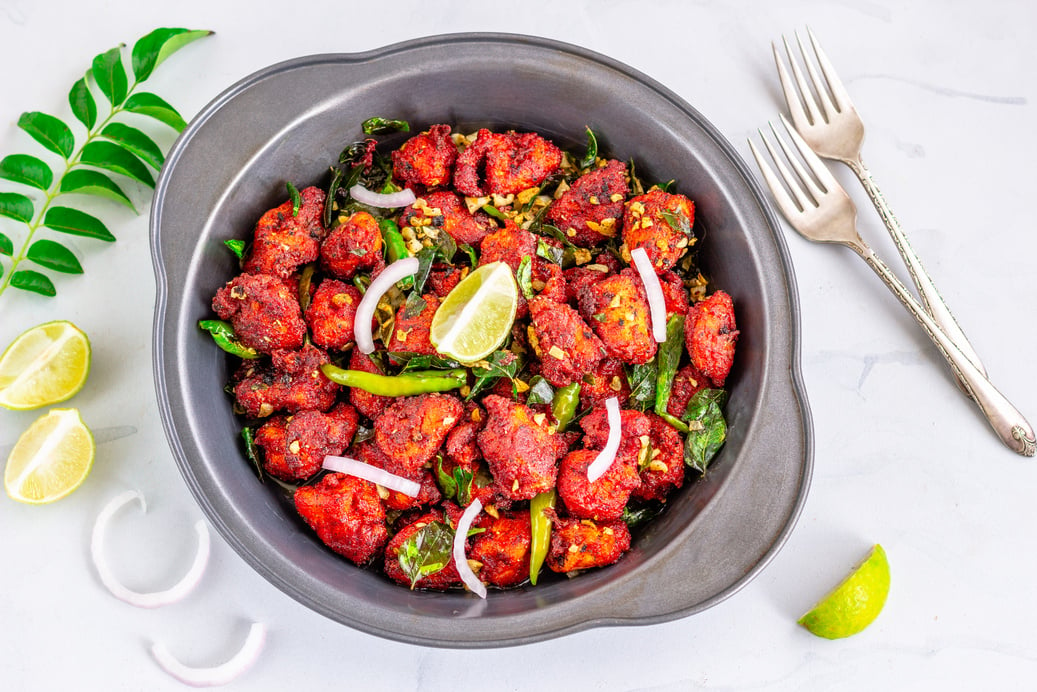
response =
{"points": [[790, 389]]}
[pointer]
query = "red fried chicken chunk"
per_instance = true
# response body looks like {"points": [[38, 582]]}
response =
{"points": [[369, 405], [283, 242], [648, 222], [426, 159], [616, 308], [411, 429], [503, 550], [446, 211], [710, 335], [346, 514], [504, 163], [606, 497], [567, 346], [411, 330], [520, 447], [591, 211], [292, 381], [581, 544], [294, 446], [664, 470], [354, 246], [264, 311], [331, 312]]}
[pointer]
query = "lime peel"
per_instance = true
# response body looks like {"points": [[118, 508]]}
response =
{"points": [[475, 318], [855, 602]]}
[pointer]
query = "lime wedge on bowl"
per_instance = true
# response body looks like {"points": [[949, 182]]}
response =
{"points": [[853, 604], [476, 316], [44, 365], [51, 459]]}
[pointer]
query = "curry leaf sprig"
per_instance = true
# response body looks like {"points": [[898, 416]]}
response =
{"points": [[110, 146]]}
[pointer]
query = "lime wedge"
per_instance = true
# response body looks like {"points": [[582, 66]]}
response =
{"points": [[46, 364], [476, 317], [51, 459], [855, 603]]}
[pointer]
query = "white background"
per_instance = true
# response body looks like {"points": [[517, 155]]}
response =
{"points": [[947, 93]]}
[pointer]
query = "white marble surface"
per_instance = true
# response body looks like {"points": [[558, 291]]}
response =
{"points": [[948, 94]]}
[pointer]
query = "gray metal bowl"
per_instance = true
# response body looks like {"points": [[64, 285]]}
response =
{"points": [[288, 122]]}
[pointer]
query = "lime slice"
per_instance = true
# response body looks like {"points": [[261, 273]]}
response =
{"points": [[476, 317], [46, 364], [51, 459], [855, 603]]}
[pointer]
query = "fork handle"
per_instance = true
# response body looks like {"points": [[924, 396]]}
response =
{"points": [[1004, 418], [932, 302]]}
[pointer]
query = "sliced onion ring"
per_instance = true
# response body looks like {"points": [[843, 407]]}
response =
{"points": [[461, 560], [391, 200], [215, 675], [156, 598], [372, 473], [607, 455], [654, 291], [399, 269]]}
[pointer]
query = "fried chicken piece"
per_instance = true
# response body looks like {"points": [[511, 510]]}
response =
{"points": [[441, 579], [509, 245], [503, 550], [331, 313], [443, 278], [294, 446], [292, 381], [353, 246], [591, 210], [411, 331], [567, 347], [426, 159], [710, 335], [664, 471], [446, 211], [370, 453], [369, 405], [616, 307], [548, 280], [283, 242], [581, 544], [686, 383], [606, 497], [674, 293], [607, 379], [578, 278], [347, 515], [635, 438], [264, 311], [462, 447], [520, 447], [412, 429], [505, 163], [645, 225]]}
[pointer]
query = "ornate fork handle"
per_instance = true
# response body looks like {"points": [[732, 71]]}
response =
{"points": [[932, 302], [1003, 417]]}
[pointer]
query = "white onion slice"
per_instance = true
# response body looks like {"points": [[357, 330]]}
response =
{"points": [[656, 299], [463, 524], [372, 473], [156, 598], [399, 269], [606, 456], [391, 200], [215, 675]]}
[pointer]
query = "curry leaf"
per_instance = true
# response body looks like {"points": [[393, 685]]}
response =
{"points": [[592, 150], [151, 50], [499, 364], [56, 256], [75, 222], [114, 158], [642, 379], [707, 429], [524, 277], [136, 142], [16, 206], [152, 106], [82, 102], [50, 132], [236, 246], [110, 75], [293, 194], [33, 281], [86, 182], [6, 246], [27, 170], [382, 126], [426, 552], [668, 358]]}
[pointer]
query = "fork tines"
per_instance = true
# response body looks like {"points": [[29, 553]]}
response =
{"points": [[799, 192], [829, 89]]}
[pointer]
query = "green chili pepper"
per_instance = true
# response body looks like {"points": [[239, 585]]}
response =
{"points": [[668, 358], [224, 336], [407, 384], [564, 404], [540, 524], [296, 198], [395, 246]]}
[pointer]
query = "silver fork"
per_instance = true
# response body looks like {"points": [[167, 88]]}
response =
{"points": [[820, 210], [834, 130]]}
